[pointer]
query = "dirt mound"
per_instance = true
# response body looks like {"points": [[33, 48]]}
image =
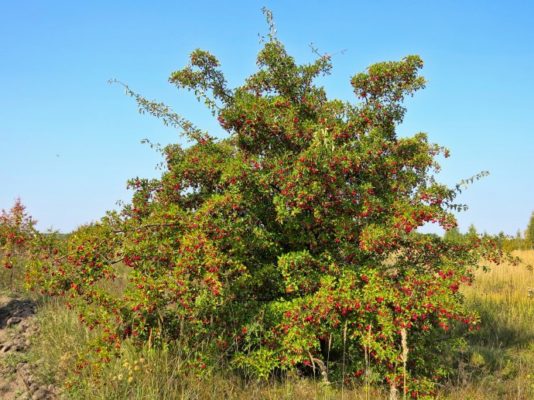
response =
{"points": [[17, 325]]}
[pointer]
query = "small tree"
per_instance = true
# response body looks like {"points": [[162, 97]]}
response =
{"points": [[453, 235], [472, 231], [16, 232], [529, 234]]}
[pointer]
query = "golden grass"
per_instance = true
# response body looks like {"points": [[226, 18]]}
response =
{"points": [[507, 292], [501, 354]]}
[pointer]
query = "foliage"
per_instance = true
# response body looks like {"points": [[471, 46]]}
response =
{"points": [[16, 231], [290, 244], [453, 235]]}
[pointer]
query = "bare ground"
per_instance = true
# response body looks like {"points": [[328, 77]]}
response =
{"points": [[17, 325]]}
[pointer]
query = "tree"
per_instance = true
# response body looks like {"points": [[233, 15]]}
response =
{"points": [[472, 231], [16, 231], [290, 243], [529, 234], [453, 235]]}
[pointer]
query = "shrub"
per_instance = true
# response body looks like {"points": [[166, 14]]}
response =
{"points": [[291, 243], [16, 233]]}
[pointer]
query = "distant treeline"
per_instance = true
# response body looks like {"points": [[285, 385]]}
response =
{"points": [[521, 241]]}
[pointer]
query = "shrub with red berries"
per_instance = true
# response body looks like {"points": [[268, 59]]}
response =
{"points": [[290, 243], [16, 233]]}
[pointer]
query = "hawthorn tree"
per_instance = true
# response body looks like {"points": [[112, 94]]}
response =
{"points": [[290, 243]]}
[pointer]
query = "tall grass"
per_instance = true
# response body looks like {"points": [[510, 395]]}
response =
{"points": [[149, 373], [498, 363]]}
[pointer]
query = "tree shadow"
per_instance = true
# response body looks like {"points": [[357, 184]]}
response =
{"points": [[496, 331]]}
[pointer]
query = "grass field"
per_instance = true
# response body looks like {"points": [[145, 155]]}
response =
{"points": [[497, 364], [501, 362]]}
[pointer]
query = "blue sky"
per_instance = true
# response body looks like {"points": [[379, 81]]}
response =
{"points": [[69, 140]]}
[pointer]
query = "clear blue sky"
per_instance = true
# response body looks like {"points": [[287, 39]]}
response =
{"points": [[69, 141]]}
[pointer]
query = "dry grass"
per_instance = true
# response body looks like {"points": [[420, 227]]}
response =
{"points": [[500, 362]]}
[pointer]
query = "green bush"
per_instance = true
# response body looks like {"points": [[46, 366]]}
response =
{"points": [[290, 244]]}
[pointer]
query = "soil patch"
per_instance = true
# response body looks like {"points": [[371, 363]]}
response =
{"points": [[17, 326]]}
